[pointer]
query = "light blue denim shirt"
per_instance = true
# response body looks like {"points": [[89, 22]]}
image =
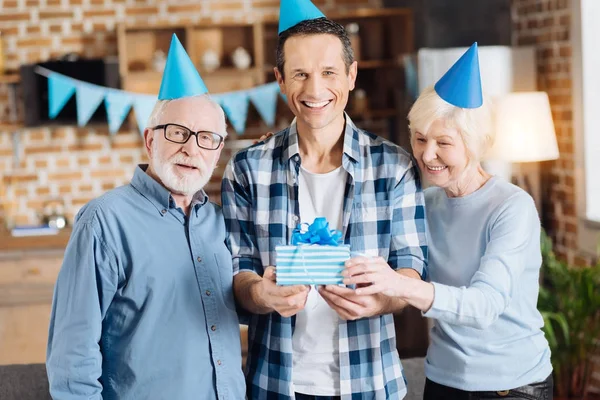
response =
{"points": [[143, 306]]}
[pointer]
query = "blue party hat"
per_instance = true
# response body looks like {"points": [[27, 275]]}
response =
{"points": [[461, 85], [292, 12], [180, 78]]}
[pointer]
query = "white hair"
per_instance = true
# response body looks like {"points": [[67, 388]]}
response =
{"points": [[473, 124], [160, 105]]}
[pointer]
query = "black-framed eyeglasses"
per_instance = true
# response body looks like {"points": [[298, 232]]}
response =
{"points": [[180, 134]]}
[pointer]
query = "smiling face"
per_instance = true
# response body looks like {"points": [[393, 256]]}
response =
{"points": [[449, 142], [316, 82], [441, 155], [184, 169]]}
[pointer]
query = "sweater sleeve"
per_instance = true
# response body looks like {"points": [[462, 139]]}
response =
{"points": [[492, 287]]}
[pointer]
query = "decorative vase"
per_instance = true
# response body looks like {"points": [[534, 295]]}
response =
{"points": [[210, 60], [241, 58]]}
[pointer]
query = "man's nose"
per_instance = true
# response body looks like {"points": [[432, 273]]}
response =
{"points": [[191, 146], [314, 86]]}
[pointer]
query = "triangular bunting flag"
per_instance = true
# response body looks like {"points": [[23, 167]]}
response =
{"points": [[60, 90], [283, 96], [88, 99], [235, 106], [143, 106], [264, 99], [118, 104]]}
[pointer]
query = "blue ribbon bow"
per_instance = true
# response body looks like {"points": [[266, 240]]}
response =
{"points": [[316, 233]]}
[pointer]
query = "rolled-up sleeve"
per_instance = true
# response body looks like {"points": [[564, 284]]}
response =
{"points": [[492, 287], [85, 287], [409, 227]]}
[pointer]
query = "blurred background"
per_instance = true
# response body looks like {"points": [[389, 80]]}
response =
{"points": [[79, 77]]}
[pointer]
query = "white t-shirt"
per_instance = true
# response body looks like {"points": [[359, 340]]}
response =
{"points": [[315, 342]]}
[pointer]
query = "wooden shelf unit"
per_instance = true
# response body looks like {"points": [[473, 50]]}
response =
{"points": [[384, 36]]}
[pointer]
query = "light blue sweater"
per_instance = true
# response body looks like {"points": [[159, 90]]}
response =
{"points": [[484, 263]]}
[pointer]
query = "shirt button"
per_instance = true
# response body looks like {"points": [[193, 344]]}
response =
{"points": [[219, 362], [163, 211], [295, 218], [213, 328], [208, 292], [199, 259]]}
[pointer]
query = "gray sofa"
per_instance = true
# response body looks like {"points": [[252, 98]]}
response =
{"points": [[29, 382]]}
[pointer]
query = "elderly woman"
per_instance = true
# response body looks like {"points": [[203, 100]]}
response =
{"points": [[484, 260]]}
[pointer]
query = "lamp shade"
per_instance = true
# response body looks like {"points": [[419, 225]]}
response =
{"points": [[524, 129]]}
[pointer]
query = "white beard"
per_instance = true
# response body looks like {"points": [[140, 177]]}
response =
{"points": [[176, 182]]}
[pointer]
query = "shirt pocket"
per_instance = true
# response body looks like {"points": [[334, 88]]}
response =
{"points": [[225, 267], [370, 228]]}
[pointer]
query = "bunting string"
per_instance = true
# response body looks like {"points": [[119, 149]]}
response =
{"points": [[119, 103]]}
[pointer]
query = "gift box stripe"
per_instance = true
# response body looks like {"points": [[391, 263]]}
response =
{"points": [[312, 274], [310, 264], [319, 281]]}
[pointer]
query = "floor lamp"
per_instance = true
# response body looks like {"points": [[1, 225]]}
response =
{"points": [[525, 136]]}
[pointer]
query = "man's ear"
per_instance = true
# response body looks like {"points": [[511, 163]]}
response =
{"points": [[279, 77], [352, 73], [148, 140]]}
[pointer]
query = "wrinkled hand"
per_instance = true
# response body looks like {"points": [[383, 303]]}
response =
{"points": [[264, 137], [286, 300], [374, 275], [350, 305]]}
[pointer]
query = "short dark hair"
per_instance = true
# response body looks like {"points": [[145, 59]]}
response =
{"points": [[315, 27]]}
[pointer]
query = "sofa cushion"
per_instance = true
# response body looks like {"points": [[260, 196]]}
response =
{"points": [[23, 382], [414, 372], [30, 382]]}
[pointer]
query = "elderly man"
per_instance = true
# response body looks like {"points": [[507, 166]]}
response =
{"points": [[324, 343], [143, 305]]}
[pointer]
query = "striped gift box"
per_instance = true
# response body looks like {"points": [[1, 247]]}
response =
{"points": [[310, 264]]}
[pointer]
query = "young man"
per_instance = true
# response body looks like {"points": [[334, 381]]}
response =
{"points": [[143, 305], [309, 343]]}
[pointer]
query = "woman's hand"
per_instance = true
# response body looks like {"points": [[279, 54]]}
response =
{"points": [[374, 275]]}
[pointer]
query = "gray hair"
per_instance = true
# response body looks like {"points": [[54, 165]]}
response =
{"points": [[473, 124], [319, 26], [160, 105]]}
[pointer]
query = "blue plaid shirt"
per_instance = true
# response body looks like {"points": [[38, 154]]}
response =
{"points": [[384, 215]]}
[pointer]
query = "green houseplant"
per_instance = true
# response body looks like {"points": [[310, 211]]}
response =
{"points": [[570, 304]]}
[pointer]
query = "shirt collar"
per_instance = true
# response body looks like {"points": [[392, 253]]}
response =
{"points": [[157, 194], [351, 141]]}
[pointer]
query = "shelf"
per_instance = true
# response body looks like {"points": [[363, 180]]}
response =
{"points": [[374, 114], [11, 126], [10, 78], [375, 64], [219, 72], [357, 13], [222, 80], [44, 242]]}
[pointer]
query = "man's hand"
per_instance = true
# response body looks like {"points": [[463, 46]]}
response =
{"points": [[264, 137], [286, 300], [350, 306]]}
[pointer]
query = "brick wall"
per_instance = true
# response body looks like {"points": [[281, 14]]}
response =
{"points": [[546, 24], [76, 164]]}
